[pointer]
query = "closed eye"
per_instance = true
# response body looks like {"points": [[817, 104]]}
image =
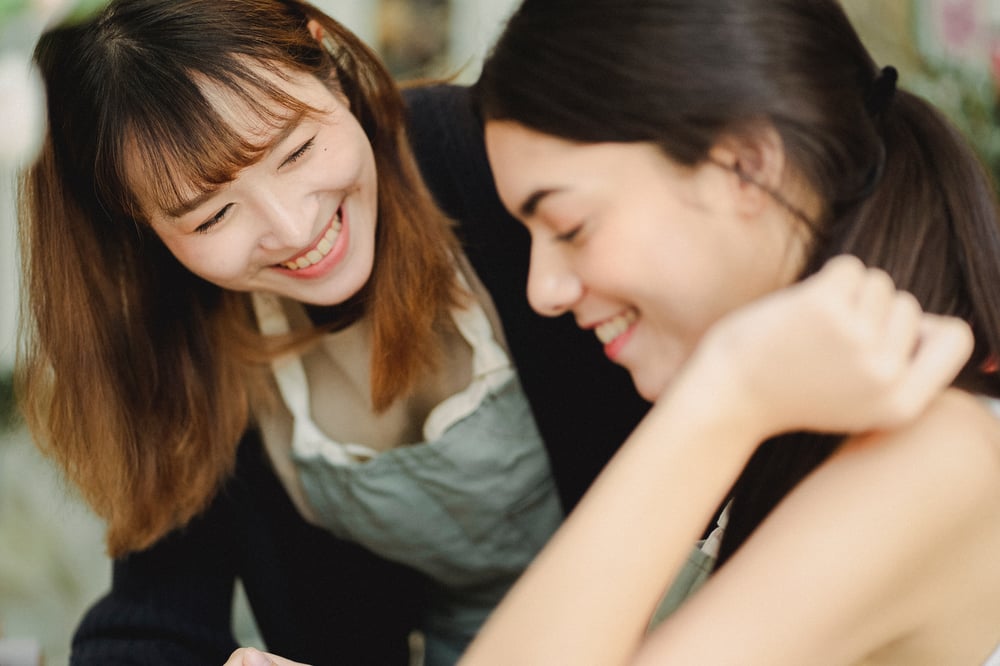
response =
{"points": [[214, 220], [303, 149], [569, 236]]}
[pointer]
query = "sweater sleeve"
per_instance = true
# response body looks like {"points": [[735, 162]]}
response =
{"points": [[314, 598], [169, 604]]}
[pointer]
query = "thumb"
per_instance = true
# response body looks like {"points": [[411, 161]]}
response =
{"points": [[254, 657]]}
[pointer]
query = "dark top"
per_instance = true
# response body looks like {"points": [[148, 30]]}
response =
{"points": [[315, 598]]}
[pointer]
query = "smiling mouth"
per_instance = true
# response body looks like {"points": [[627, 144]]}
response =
{"points": [[615, 326], [321, 249]]}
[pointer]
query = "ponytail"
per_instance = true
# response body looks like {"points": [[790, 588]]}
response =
{"points": [[931, 221]]}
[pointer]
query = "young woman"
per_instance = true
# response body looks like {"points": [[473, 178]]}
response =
{"points": [[227, 227], [675, 161]]}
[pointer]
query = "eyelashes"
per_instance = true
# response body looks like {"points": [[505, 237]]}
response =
{"points": [[298, 154], [291, 159], [215, 219]]}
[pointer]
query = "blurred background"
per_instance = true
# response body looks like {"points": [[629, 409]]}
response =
{"points": [[52, 562]]}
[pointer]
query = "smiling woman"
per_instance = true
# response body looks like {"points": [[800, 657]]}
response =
{"points": [[172, 320], [305, 188], [690, 172], [282, 364], [620, 231]]}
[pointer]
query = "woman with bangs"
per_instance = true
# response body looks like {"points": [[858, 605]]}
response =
{"points": [[262, 352]]}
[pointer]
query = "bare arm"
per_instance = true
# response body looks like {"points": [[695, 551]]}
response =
{"points": [[845, 342]]}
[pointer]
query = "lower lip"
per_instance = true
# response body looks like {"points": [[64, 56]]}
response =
{"points": [[614, 348], [326, 264]]}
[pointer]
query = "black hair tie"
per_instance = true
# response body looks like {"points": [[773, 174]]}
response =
{"points": [[881, 91]]}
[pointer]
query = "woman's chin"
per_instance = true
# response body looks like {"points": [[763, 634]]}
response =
{"points": [[649, 390]]}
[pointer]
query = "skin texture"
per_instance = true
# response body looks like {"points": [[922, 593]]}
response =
{"points": [[316, 169]]}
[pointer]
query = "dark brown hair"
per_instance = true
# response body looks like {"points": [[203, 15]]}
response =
{"points": [[134, 374], [902, 189]]}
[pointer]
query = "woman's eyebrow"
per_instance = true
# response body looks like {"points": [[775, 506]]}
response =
{"points": [[530, 205], [185, 207], [286, 131], [287, 128]]}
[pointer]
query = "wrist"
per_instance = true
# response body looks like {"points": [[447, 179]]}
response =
{"points": [[711, 395]]}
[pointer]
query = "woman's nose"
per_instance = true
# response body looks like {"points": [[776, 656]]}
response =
{"points": [[553, 287], [284, 224]]}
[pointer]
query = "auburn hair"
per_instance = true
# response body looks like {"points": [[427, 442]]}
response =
{"points": [[137, 377]]}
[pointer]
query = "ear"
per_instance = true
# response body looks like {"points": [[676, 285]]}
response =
{"points": [[316, 30], [757, 163], [321, 36]]}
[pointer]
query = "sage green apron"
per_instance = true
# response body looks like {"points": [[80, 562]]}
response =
{"points": [[469, 507]]}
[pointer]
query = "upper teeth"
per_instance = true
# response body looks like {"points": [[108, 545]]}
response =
{"points": [[322, 248], [615, 326]]}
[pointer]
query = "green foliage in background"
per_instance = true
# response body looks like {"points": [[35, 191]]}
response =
{"points": [[9, 8], [83, 8], [969, 99], [78, 9]]}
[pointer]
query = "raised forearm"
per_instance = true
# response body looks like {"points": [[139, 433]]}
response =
{"points": [[588, 596]]}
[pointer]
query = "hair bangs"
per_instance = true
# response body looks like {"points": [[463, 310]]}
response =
{"points": [[179, 149]]}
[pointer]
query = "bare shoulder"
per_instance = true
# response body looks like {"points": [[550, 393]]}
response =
{"points": [[923, 502], [957, 437], [941, 475], [903, 526]]}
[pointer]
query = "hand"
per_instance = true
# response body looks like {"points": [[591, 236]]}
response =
{"points": [[254, 657], [842, 351]]}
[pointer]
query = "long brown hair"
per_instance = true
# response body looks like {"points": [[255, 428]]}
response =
{"points": [[136, 376], [902, 189]]}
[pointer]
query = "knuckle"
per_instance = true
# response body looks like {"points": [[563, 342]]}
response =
{"points": [[908, 302], [841, 269], [847, 263], [877, 281]]}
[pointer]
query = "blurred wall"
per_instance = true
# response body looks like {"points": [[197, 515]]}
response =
{"points": [[886, 29], [468, 27]]}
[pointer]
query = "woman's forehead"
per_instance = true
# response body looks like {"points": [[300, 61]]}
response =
{"points": [[167, 172], [266, 107]]}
